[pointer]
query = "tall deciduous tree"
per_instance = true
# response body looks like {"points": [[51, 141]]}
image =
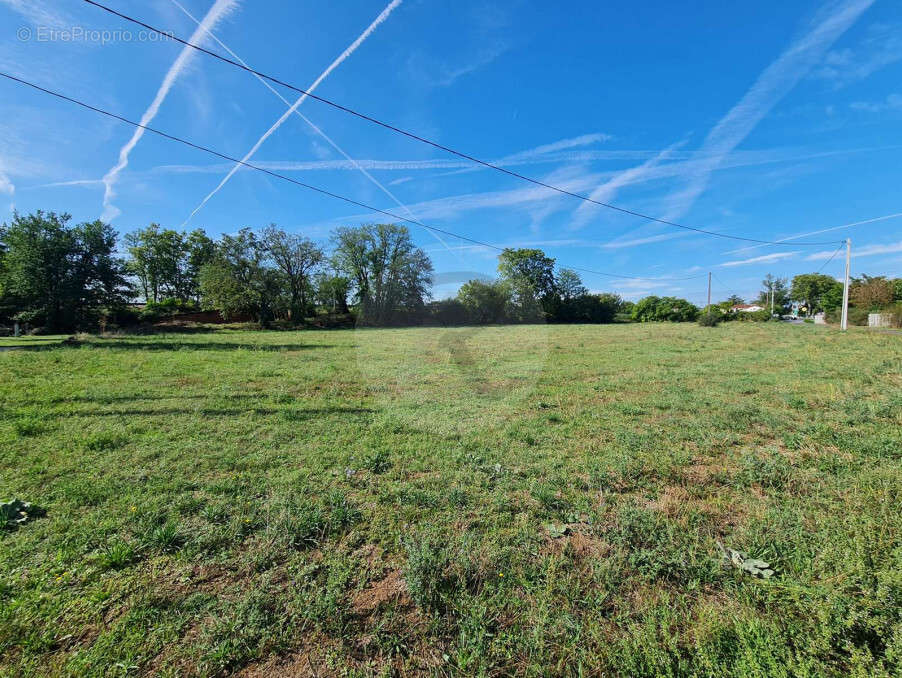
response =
{"points": [[810, 289], [780, 290], [166, 262], [238, 280], [59, 276], [569, 285], [391, 276], [871, 293], [297, 257], [530, 276], [332, 291], [485, 302]]}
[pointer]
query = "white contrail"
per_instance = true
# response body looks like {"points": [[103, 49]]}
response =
{"points": [[219, 10], [866, 251], [770, 87], [344, 55], [6, 186], [316, 129], [607, 191], [778, 79], [895, 215]]}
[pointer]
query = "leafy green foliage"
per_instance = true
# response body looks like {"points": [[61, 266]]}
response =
{"points": [[390, 275], [56, 276], [296, 257], [710, 318], [670, 309], [484, 302], [813, 290], [239, 281], [775, 289], [167, 263], [752, 566]]}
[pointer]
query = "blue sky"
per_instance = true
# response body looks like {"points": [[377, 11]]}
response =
{"points": [[766, 119]]}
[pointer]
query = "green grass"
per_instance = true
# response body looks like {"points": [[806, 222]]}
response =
{"points": [[32, 341], [529, 500]]}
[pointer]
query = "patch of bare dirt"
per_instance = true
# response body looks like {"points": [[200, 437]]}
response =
{"points": [[306, 662], [391, 588], [672, 501]]}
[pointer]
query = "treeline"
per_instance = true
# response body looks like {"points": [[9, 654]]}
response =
{"points": [[60, 277], [812, 293], [56, 277]]}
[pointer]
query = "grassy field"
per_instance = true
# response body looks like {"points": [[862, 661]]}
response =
{"points": [[531, 500]]}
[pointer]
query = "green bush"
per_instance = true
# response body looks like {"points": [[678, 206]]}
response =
{"points": [[671, 309], [709, 319], [166, 308], [761, 316]]}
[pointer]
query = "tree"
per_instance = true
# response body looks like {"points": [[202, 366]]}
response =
{"points": [[781, 296], [485, 302], [591, 308], [529, 275], [144, 262], [897, 289], [569, 285], [57, 276], [809, 289], [871, 293], [332, 291], [238, 280], [296, 257], [673, 309], [390, 275], [734, 300], [167, 262], [831, 300], [201, 251]]}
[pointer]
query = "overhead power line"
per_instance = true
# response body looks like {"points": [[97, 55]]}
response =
{"points": [[416, 137], [831, 257], [323, 191]]}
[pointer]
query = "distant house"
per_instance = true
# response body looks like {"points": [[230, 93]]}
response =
{"points": [[746, 308]]}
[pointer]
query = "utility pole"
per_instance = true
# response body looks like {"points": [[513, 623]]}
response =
{"points": [[844, 323], [709, 290]]}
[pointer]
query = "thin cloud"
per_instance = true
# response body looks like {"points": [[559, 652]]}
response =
{"points": [[325, 74], [551, 153], [866, 251], [735, 159], [582, 140], [219, 10], [893, 102], [40, 13], [527, 197], [764, 259], [881, 47], [607, 191], [483, 57], [6, 186], [896, 215], [74, 182], [635, 242], [320, 150], [778, 79]]}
